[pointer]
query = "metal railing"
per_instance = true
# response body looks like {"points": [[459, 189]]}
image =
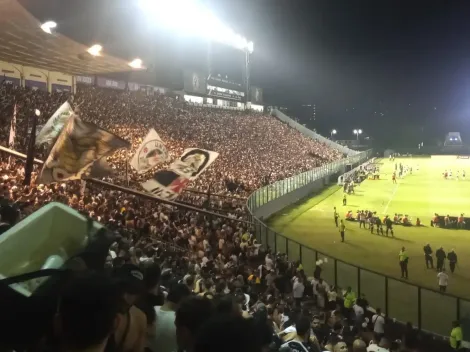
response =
{"points": [[425, 308]]}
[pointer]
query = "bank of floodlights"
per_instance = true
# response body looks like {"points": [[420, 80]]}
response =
{"points": [[191, 18]]}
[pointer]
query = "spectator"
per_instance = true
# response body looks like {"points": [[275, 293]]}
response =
{"points": [[378, 323], [130, 334], [191, 315], [87, 313], [164, 338]]}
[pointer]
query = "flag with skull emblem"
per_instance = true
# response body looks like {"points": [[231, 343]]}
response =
{"points": [[171, 182]]}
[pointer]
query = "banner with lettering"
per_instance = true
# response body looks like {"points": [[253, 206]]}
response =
{"points": [[150, 153]]}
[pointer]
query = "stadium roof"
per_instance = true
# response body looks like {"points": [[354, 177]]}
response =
{"points": [[23, 42]]}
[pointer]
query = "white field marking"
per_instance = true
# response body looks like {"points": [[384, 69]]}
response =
{"points": [[391, 197]]}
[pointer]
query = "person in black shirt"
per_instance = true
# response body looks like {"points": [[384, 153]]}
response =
{"points": [[452, 257], [428, 256], [389, 225], [440, 256]]}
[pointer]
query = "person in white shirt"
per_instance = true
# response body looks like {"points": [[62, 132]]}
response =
{"points": [[443, 279], [269, 262], [378, 321], [359, 315], [163, 339], [298, 291]]}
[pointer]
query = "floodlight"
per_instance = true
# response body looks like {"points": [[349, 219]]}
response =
{"points": [[180, 16], [355, 132], [136, 63], [250, 47], [95, 50], [47, 26], [359, 131], [333, 131], [37, 112]]}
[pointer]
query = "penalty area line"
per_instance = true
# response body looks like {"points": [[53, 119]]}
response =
{"points": [[390, 199]]}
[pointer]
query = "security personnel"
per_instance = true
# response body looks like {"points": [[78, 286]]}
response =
{"points": [[452, 257], [336, 216], [342, 229], [349, 300], [389, 225], [440, 257], [403, 258], [428, 256], [456, 336]]}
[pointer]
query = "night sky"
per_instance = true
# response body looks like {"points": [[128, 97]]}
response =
{"points": [[397, 69]]}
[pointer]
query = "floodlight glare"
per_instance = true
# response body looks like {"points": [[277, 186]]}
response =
{"points": [[180, 16], [48, 26], [355, 132], [359, 131], [136, 63], [333, 132], [95, 50], [37, 112]]}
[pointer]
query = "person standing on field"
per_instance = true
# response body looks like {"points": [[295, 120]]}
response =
{"points": [[336, 216], [403, 259], [440, 258], [452, 257], [428, 256], [342, 229], [443, 279]]}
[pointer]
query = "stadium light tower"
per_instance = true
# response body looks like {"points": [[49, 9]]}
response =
{"points": [[333, 132], [357, 133], [48, 26], [191, 18]]}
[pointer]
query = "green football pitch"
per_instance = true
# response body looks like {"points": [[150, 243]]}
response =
{"points": [[420, 194]]}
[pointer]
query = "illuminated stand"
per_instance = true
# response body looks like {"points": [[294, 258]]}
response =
{"points": [[453, 139]]}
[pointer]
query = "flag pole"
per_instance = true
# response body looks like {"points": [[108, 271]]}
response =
{"points": [[31, 150], [127, 171]]}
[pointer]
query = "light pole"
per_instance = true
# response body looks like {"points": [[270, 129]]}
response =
{"points": [[332, 132], [357, 133]]}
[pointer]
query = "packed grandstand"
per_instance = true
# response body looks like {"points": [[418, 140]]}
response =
{"points": [[184, 276], [187, 253]]}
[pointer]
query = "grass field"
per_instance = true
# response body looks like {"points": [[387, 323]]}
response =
{"points": [[420, 194]]}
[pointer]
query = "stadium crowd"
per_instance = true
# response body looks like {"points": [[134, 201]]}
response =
{"points": [[184, 280]]}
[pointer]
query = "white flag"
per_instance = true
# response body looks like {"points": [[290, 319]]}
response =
{"points": [[170, 183], [150, 153], [55, 124], [11, 140]]}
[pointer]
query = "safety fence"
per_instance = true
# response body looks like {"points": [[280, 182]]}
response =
{"points": [[426, 309]]}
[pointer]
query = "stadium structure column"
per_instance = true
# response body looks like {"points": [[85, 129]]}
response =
{"points": [[30, 154], [247, 79]]}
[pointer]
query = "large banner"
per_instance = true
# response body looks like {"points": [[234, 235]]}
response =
{"points": [[79, 145], [169, 184], [224, 82], [109, 83], [195, 82], [150, 153], [225, 93], [55, 124], [256, 95], [36, 85], [88, 80]]}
